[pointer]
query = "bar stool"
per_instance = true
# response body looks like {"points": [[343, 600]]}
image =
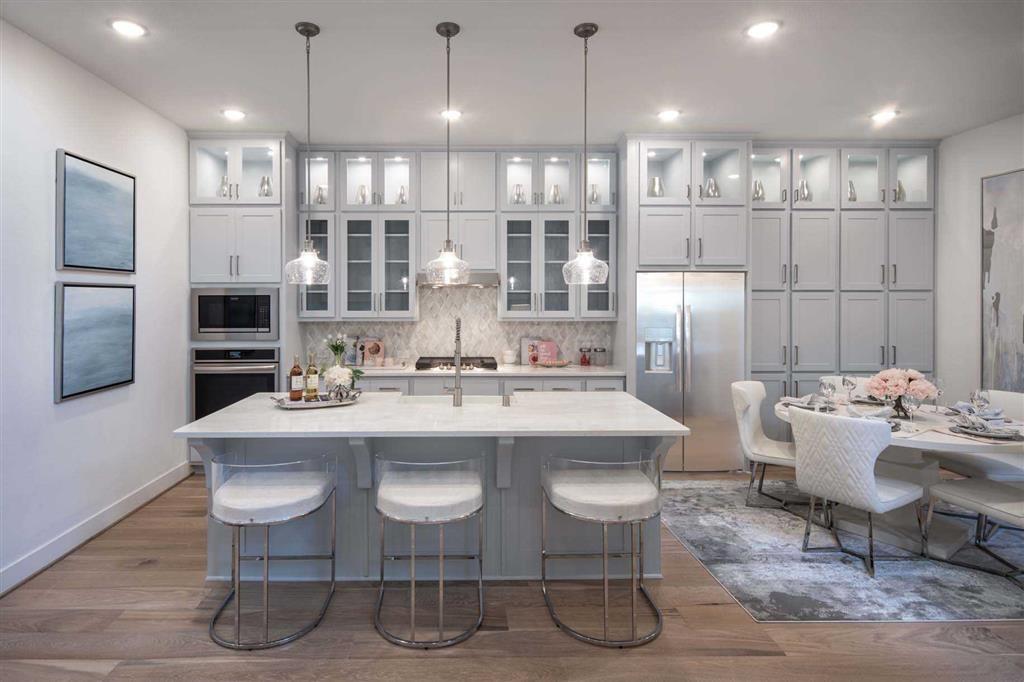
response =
{"points": [[264, 495], [609, 493], [429, 494]]}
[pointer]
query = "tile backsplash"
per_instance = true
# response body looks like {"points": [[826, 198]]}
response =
{"points": [[482, 332]]}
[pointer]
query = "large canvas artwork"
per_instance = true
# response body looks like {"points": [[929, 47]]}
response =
{"points": [[94, 338], [1002, 281], [95, 215]]}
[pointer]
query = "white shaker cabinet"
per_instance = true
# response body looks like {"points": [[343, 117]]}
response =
{"points": [[602, 188], [665, 173], [533, 251], [814, 332], [665, 236], [720, 173], [721, 236], [375, 265], [235, 244], [601, 300], [911, 249], [538, 181], [235, 171], [862, 245], [769, 246], [770, 178], [769, 345], [317, 300], [474, 236], [815, 251], [862, 330], [815, 178], [317, 181], [911, 178], [372, 181], [911, 325], [863, 178], [472, 181]]}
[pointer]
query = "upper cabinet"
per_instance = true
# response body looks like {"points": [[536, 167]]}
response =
{"points": [[375, 262], [601, 181], [863, 178], [470, 178], [814, 178], [531, 182], [600, 300], [665, 173], [533, 251], [317, 181], [769, 184], [235, 171], [382, 181], [317, 300], [235, 244], [473, 234], [911, 178], [720, 172]]}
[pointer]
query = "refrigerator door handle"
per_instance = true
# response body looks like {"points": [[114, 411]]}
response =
{"points": [[679, 348], [688, 339]]}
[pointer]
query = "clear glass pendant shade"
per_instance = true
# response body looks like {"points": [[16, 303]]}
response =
{"points": [[447, 269], [585, 268], [308, 268]]}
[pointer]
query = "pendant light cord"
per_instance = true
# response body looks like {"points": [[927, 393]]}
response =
{"points": [[586, 161], [448, 139], [308, 117]]}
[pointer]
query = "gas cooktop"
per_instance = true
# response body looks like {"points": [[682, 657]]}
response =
{"points": [[468, 362]]}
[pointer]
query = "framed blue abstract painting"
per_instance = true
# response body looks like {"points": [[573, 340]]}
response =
{"points": [[1002, 281], [95, 215], [94, 338]]}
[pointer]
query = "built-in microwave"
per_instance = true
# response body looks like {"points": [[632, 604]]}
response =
{"points": [[234, 314]]}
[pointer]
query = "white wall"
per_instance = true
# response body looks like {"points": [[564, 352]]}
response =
{"points": [[963, 160], [68, 470]]}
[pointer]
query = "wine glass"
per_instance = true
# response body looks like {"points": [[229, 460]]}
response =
{"points": [[979, 399], [910, 404], [940, 388], [827, 389], [849, 383]]}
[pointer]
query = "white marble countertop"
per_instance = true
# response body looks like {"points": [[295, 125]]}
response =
{"points": [[612, 414], [503, 372]]}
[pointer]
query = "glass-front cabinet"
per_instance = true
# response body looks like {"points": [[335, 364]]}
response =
{"points": [[533, 251], [814, 178], [720, 172], [558, 245], [769, 182], [601, 181], [665, 173], [911, 178], [376, 275], [235, 171], [863, 178], [317, 300], [372, 181], [316, 181], [518, 294], [538, 181], [600, 300]]}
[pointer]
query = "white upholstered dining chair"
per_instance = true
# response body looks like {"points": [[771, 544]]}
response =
{"points": [[1011, 403], [757, 447], [835, 462]]}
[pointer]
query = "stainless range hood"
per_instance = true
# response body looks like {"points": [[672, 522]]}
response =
{"points": [[477, 280]]}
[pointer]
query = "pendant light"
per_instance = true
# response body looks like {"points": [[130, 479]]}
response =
{"points": [[585, 268], [308, 268], [447, 269]]}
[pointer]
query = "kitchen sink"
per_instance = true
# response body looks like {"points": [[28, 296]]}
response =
{"points": [[447, 399]]}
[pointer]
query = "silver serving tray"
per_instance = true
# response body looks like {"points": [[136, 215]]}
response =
{"points": [[321, 401]]}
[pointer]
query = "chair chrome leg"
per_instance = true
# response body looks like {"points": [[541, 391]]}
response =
{"points": [[412, 582], [632, 579], [440, 583], [783, 503], [236, 575], [604, 573], [266, 583], [807, 527], [870, 563]]}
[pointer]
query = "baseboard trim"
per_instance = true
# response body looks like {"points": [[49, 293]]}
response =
{"points": [[29, 564]]}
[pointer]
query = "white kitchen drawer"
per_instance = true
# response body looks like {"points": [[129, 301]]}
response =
{"points": [[563, 384], [470, 385], [604, 384], [386, 385], [527, 385]]}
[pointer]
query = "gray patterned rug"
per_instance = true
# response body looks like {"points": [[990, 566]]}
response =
{"points": [[755, 554]]}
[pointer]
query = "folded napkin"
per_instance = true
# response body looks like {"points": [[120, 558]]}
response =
{"points": [[867, 412], [965, 408], [809, 399], [981, 425]]}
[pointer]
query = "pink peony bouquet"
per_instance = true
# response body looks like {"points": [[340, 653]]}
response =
{"points": [[892, 384]]}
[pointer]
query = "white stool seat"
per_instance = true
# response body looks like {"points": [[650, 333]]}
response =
{"points": [[259, 498], [429, 496], [999, 500], [611, 495], [894, 493]]}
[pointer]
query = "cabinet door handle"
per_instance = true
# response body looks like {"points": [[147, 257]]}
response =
{"points": [[783, 273], [783, 356], [615, 301], [895, 199], [461, 200], [700, 248], [796, 355], [455, 198], [558, 388], [237, 195], [883, 355], [894, 273], [783, 196], [231, 270], [541, 294], [522, 390], [687, 248], [882, 190], [389, 389], [688, 191], [883, 273], [700, 191], [796, 273], [894, 355], [238, 264]]}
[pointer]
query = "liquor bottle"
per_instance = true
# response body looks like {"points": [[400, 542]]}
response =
{"points": [[312, 381], [296, 381]]}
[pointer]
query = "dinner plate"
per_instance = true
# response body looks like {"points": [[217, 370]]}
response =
{"points": [[813, 408], [997, 435]]}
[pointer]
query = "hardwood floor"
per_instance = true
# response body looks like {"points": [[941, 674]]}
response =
{"points": [[133, 603]]}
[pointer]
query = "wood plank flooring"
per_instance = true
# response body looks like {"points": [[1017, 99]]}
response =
{"points": [[133, 604]]}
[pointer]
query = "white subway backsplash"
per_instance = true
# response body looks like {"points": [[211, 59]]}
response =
{"points": [[482, 332]]}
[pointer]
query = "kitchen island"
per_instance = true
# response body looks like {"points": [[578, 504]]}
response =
{"points": [[513, 440]]}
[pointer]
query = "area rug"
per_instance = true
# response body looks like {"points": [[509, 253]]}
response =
{"points": [[755, 554]]}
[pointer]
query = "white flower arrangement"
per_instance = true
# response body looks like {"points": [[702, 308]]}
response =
{"points": [[337, 376]]}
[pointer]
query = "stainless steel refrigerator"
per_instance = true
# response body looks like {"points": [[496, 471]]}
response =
{"points": [[689, 349]]}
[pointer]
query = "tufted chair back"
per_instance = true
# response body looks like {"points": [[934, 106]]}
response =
{"points": [[835, 457], [1012, 403], [746, 402]]}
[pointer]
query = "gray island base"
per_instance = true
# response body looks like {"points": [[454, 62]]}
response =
{"points": [[514, 442]]}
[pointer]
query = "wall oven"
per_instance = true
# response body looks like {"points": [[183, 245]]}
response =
{"points": [[222, 376], [234, 314]]}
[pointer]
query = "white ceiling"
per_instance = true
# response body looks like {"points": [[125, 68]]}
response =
{"points": [[378, 67]]}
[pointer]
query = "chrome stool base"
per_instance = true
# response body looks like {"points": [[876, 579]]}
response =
{"points": [[783, 502], [635, 532], [982, 533], [237, 557], [441, 557]]}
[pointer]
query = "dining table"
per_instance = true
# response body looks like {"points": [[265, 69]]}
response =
{"points": [[917, 453]]}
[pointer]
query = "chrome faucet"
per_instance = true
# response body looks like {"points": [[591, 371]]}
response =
{"points": [[457, 389]]}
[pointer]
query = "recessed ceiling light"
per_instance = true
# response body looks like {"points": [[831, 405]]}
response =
{"points": [[362, 159], [651, 154], [763, 29], [451, 114], [668, 115], [233, 115], [734, 176], [129, 29], [517, 159], [553, 159], [884, 116]]}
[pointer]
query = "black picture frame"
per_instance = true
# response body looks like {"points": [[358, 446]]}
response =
{"points": [[103, 338], [66, 256]]}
